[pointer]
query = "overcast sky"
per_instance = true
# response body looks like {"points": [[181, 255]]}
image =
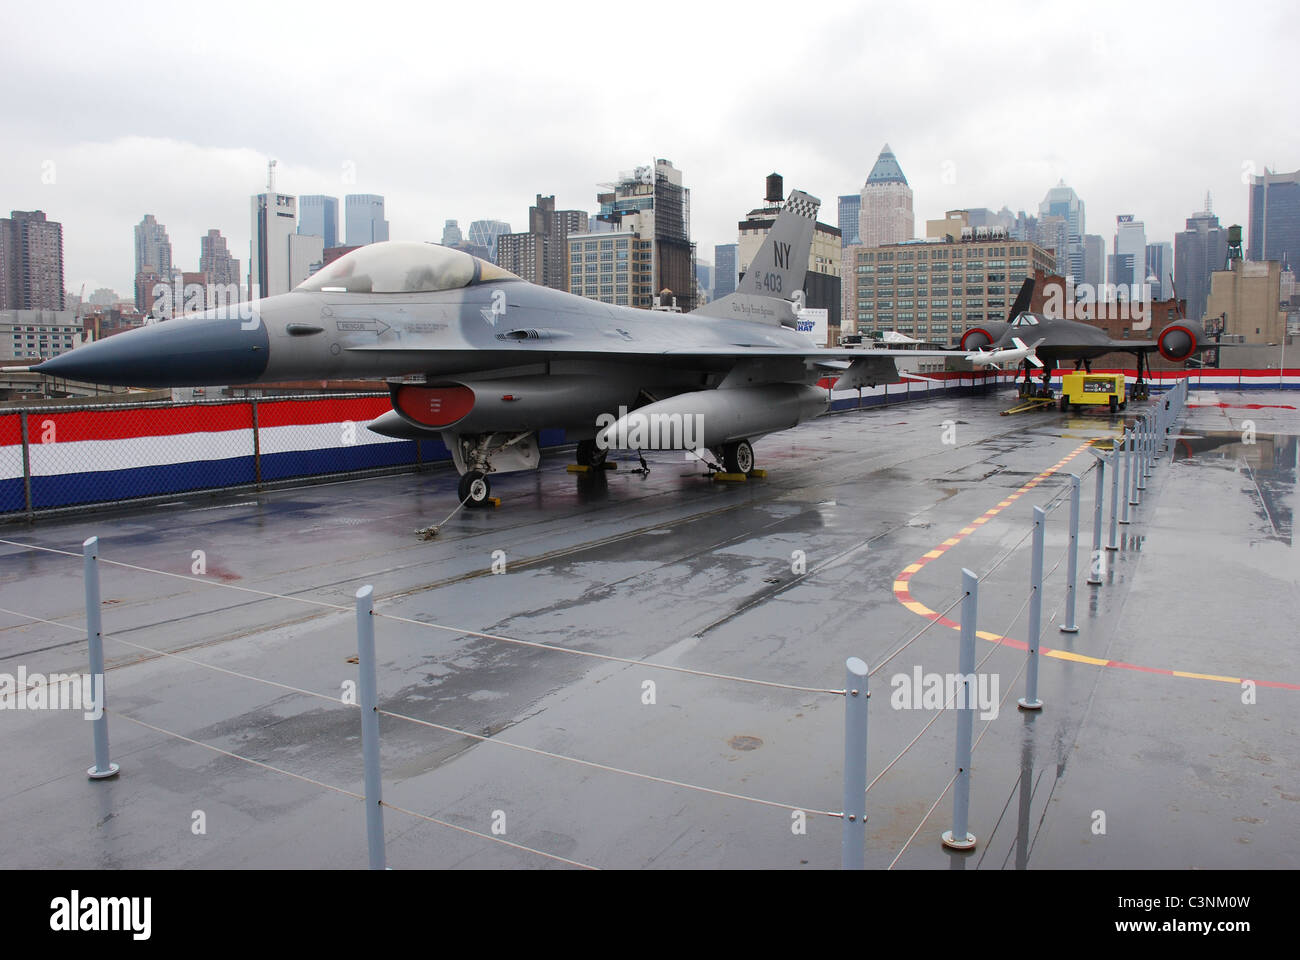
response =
{"points": [[467, 111]]}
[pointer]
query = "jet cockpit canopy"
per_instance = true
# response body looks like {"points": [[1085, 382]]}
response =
{"points": [[1025, 320], [401, 266]]}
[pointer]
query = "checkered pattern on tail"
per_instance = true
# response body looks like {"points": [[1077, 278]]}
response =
{"points": [[803, 205]]}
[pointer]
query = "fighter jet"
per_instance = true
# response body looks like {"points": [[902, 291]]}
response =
{"points": [[1017, 356], [485, 360], [1059, 341]]}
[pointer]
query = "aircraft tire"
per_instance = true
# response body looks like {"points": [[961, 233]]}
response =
{"points": [[738, 457], [474, 489], [589, 455]]}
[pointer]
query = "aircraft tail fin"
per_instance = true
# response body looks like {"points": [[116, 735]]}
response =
{"points": [[1022, 299], [778, 269]]}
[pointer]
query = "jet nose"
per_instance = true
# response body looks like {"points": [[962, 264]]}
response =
{"points": [[184, 352]]}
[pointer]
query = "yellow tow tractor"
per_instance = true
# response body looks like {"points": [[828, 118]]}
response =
{"points": [[1093, 389]]}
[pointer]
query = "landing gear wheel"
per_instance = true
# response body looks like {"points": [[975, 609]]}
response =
{"points": [[590, 455], [738, 457], [474, 489]]}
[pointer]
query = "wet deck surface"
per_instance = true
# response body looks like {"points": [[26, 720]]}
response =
{"points": [[1181, 771]]}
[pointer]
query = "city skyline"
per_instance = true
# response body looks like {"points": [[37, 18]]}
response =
{"points": [[96, 164]]}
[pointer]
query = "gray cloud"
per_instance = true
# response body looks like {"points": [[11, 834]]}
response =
{"points": [[455, 112]]}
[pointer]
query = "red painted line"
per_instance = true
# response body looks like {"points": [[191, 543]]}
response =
{"points": [[904, 595]]}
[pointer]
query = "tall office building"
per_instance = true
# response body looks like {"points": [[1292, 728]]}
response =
{"points": [[306, 256], [1094, 260], [31, 262], [274, 221], [1062, 201], [1275, 219], [153, 254], [652, 206], [724, 270], [365, 219], [451, 234], [1199, 250], [1129, 258], [934, 289], [1052, 232], [1160, 264], [886, 214], [704, 280], [318, 216], [850, 209], [540, 254], [215, 261], [1247, 295], [484, 233]]}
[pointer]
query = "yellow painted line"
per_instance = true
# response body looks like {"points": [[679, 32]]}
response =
{"points": [[902, 590], [1205, 676], [1076, 657]]}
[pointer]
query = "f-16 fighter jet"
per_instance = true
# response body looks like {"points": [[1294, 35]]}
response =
{"points": [[486, 360]]}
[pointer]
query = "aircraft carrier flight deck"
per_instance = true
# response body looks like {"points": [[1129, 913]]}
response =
{"points": [[623, 670]]}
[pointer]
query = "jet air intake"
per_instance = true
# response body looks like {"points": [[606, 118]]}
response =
{"points": [[1178, 341], [977, 338]]}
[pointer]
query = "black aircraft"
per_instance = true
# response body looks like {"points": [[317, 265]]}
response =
{"points": [[1062, 340]]}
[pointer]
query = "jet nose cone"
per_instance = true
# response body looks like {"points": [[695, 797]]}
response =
{"points": [[184, 352]]}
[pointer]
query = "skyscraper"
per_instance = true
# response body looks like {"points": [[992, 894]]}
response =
{"points": [[451, 234], [215, 260], [1198, 251], [886, 215], [1160, 264], [365, 219], [849, 213], [484, 233], [319, 217], [1094, 260], [274, 220], [724, 270], [153, 254], [1129, 260], [1062, 201], [1275, 219], [31, 262], [540, 254], [653, 203]]}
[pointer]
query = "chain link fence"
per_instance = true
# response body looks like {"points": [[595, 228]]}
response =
{"points": [[57, 458]]}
